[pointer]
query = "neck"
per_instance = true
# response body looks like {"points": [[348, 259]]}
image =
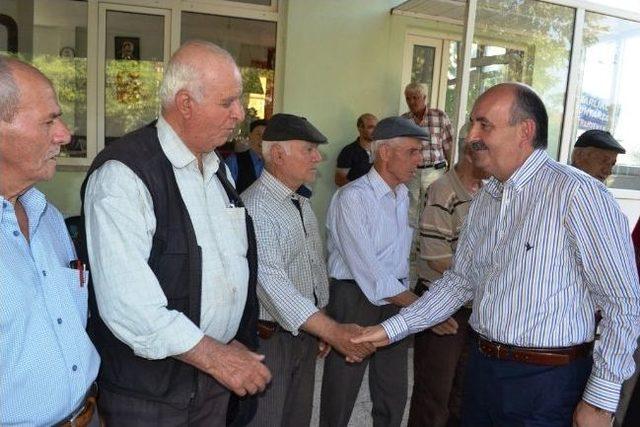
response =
{"points": [[11, 190], [291, 184], [364, 143], [387, 177], [470, 182]]}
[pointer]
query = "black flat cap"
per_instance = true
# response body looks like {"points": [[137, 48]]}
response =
{"points": [[286, 127], [599, 139], [392, 127]]}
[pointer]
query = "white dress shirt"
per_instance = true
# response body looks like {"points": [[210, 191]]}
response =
{"points": [[120, 226], [537, 255], [369, 236]]}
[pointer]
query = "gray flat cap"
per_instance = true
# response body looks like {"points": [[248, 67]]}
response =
{"points": [[287, 127], [393, 127]]}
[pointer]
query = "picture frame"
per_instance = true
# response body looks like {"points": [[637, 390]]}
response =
{"points": [[127, 48]]}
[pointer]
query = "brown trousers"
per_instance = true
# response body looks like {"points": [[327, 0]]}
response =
{"points": [[438, 364]]}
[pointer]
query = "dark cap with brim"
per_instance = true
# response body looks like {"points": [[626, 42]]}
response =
{"points": [[287, 127], [599, 139], [393, 127]]}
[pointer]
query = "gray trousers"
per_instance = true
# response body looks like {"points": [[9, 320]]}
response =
{"points": [[208, 408], [387, 367], [288, 399]]}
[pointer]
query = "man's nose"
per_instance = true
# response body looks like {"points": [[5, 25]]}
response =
{"points": [[61, 134]]}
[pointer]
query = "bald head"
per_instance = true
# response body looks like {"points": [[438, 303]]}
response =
{"points": [[189, 68], [11, 71]]}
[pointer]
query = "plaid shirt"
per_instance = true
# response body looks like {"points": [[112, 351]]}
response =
{"points": [[439, 127], [292, 274]]}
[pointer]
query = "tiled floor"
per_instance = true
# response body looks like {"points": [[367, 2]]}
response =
{"points": [[361, 416]]}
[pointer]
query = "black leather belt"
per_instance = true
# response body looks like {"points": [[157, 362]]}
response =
{"points": [[438, 165]]}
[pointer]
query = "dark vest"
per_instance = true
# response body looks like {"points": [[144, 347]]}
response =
{"points": [[246, 171], [175, 259]]}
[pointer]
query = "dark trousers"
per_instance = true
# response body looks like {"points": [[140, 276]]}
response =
{"points": [[208, 408], [513, 394], [387, 366], [288, 399], [438, 371]]}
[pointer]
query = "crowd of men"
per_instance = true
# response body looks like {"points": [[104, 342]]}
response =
{"points": [[188, 303]]}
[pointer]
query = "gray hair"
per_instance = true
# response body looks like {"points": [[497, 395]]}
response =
{"points": [[376, 144], [185, 75], [418, 87], [266, 149], [9, 91]]}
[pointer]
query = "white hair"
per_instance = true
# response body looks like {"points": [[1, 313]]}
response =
{"points": [[266, 149], [418, 87], [376, 144], [184, 74]]}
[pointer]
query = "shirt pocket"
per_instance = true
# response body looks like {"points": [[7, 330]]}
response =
{"points": [[235, 223], [74, 282]]}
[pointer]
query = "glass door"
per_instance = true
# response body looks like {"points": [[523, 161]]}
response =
{"points": [[422, 63], [135, 45]]}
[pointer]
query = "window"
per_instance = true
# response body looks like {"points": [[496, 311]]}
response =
{"points": [[609, 92]]}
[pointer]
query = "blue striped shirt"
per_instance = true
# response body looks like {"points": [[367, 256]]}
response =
{"points": [[47, 361], [369, 236], [537, 255]]}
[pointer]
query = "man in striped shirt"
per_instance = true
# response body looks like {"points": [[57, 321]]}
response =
{"points": [[543, 247]]}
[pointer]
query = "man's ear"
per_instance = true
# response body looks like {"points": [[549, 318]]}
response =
{"points": [[184, 103], [527, 131], [384, 152]]}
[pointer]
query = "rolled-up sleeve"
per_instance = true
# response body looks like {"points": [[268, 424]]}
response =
{"points": [[120, 224]]}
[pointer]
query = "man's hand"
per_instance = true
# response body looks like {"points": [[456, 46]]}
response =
{"points": [[323, 349], [233, 365], [587, 415], [448, 327], [374, 335], [340, 338]]}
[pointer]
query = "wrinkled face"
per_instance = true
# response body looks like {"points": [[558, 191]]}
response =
{"points": [[596, 162], [367, 128], [498, 147], [401, 158], [299, 164], [255, 138], [416, 101], [30, 143], [214, 118]]}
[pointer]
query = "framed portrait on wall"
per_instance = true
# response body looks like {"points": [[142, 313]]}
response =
{"points": [[127, 48]]}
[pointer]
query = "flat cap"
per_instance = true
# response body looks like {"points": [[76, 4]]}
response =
{"points": [[392, 127], [287, 127], [599, 139]]}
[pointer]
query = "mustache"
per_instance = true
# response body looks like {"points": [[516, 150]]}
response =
{"points": [[477, 145]]}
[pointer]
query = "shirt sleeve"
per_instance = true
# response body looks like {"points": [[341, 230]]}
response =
{"points": [[445, 296], [120, 224], [357, 249], [344, 159], [275, 290], [600, 233], [447, 134]]}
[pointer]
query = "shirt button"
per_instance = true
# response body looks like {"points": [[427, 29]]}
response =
{"points": [[16, 233], [59, 321], [44, 273], [74, 368]]}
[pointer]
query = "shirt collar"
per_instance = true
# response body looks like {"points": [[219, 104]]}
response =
{"points": [[521, 176], [281, 191], [381, 188], [177, 152], [34, 203]]}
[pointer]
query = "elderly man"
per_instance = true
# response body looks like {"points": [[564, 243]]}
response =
{"points": [[436, 151], [292, 276], [354, 159], [439, 356], [246, 166], [368, 243], [595, 153], [47, 362], [544, 245], [173, 256]]}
